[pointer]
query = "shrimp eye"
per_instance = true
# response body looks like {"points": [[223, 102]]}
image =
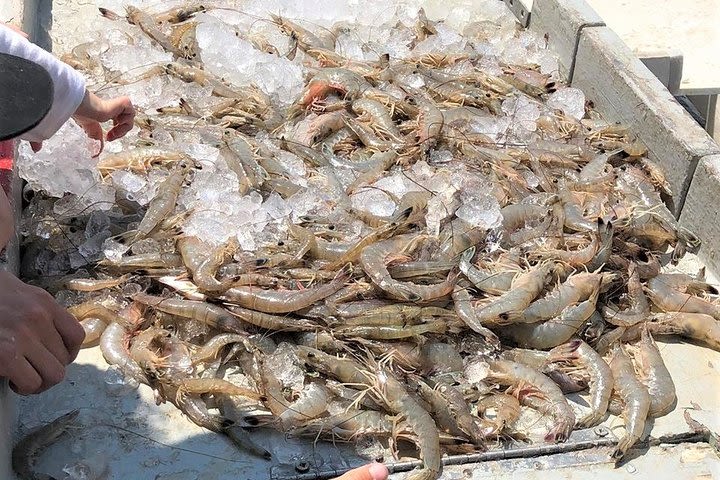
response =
{"points": [[251, 420], [280, 243], [504, 316], [311, 355], [331, 227]]}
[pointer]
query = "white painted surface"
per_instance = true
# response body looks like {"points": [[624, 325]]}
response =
{"points": [[691, 27]]}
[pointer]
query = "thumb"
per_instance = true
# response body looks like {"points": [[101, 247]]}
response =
{"points": [[374, 471]]}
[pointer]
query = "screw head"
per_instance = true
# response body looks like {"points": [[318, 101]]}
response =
{"points": [[601, 431], [302, 467]]}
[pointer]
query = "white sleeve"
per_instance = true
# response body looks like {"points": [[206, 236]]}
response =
{"points": [[69, 84]]}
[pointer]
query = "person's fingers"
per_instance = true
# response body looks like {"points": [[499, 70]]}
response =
{"points": [[24, 380], [94, 130], [46, 365], [374, 471], [119, 131], [54, 343], [36, 146], [122, 123], [71, 332]]}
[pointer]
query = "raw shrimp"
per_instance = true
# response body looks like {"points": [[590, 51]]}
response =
{"points": [[25, 452], [525, 288], [373, 261], [506, 411], [304, 38], [163, 204], [214, 386], [348, 425], [93, 328], [210, 350], [520, 378], [271, 322], [311, 403], [391, 332], [696, 326], [488, 282], [654, 374], [552, 332], [449, 409], [576, 288], [634, 396], [95, 284], [419, 421], [381, 119], [138, 159], [209, 314], [147, 24], [639, 306], [114, 347], [601, 379], [464, 308], [204, 276], [344, 81], [661, 293], [94, 309], [276, 301], [179, 14]]}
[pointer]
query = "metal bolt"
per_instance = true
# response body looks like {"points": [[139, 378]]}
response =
{"points": [[601, 431], [302, 467]]}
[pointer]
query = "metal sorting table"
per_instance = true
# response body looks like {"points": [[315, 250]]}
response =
{"points": [[123, 434]]}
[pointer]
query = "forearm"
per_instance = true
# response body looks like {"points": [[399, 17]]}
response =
{"points": [[69, 85]]}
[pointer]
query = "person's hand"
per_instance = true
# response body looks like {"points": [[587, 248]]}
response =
{"points": [[38, 338], [94, 110], [374, 471]]}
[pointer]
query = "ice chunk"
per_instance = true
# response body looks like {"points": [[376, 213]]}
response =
{"points": [[480, 214], [276, 208], [64, 165], [373, 201], [129, 183], [570, 100], [286, 365], [239, 62], [133, 59], [446, 40], [523, 111], [114, 250]]}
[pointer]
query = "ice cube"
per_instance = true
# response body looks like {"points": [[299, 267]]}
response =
{"points": [[286, 365], [64, 165], [570, 100]]}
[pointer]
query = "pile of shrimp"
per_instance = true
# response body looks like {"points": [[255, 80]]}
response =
{"points": [[347, 324]]}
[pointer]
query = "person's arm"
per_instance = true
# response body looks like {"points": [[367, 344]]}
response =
{"points": [[70, 98], [69, 84]]}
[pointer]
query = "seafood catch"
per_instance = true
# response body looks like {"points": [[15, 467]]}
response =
{"points": [[340, 230]]}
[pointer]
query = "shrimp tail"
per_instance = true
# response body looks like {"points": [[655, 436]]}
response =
{"points": [[109, 14]]}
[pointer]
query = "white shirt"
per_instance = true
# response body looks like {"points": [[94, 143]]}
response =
{"points": [[69, 84]]}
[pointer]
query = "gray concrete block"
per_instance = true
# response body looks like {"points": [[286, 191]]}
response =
{"points": [[560, 21], [701, 214], [624, 90]]}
